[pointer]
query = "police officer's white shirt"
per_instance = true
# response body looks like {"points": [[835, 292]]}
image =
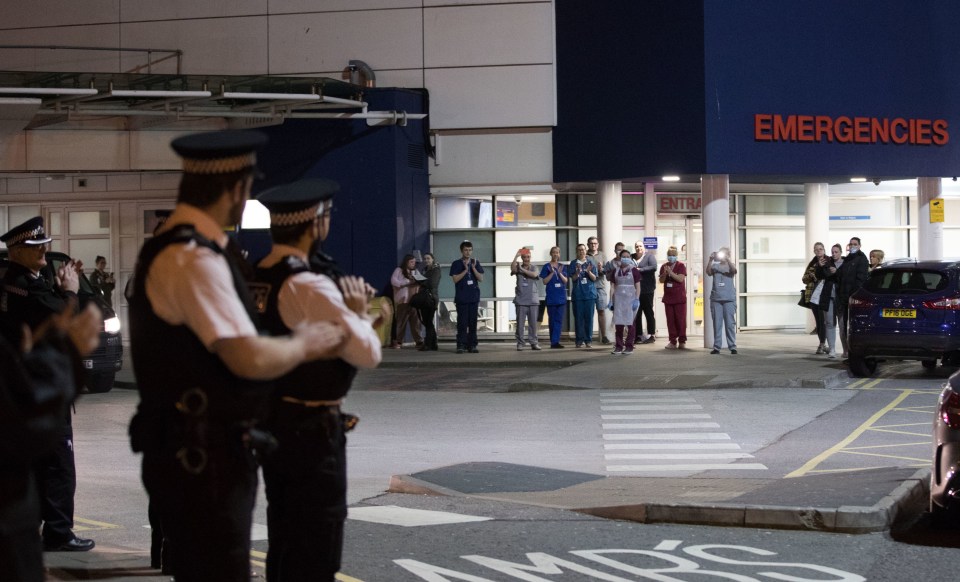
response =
{"points": [[310, 297], [192, 285]]}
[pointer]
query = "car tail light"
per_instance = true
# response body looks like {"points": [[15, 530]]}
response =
{"points": [[860, 302], [951, 303], [950, 410]]}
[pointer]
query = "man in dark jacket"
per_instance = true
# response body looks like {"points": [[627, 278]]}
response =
{"points": [[852, 275], [27, 299]]}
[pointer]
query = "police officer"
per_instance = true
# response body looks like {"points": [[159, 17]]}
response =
{"points": [[29, 299], [306, 478], [200, 364]]}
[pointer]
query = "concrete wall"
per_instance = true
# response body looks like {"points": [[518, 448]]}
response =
{"points": [[488, 64]]}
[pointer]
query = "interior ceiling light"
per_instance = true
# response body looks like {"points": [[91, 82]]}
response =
{"points": [[858, 179], [671, 178]]}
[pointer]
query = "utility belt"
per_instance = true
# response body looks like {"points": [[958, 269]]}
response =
{"points": [[190, 434], [298, 414]]}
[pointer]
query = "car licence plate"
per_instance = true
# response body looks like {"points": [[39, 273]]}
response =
{"points": [[900, 313]]}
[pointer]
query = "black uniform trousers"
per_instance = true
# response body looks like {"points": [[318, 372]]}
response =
{"points": [[206, 517], [21, 556], [646, 310], [306, 487], [57, 481], [467, 314], [430, 339]]}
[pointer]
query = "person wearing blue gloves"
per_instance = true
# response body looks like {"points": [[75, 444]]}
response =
{"points": [[554, 277], [625, 303], [583, 271]]}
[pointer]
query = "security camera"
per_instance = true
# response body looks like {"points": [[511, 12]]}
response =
{"points": [[876, 181]]}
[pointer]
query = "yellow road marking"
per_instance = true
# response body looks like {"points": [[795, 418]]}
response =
{"points": [[263, 555], [905, 424], [924, 444], [883, 456], [812, 463], [856, 383], [871, 384], [917, 434], [91, 525]]}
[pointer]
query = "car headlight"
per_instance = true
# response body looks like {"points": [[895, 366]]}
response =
{"points": [[111, 325]]}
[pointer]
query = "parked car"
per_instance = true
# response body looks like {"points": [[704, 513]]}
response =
{"points": [[906, 310], [945, 473], [103, 364]]}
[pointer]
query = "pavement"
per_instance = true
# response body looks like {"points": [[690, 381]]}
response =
{"points": [[860, 502], [865, 501]]}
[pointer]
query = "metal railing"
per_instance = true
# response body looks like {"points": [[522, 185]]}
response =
{"points": [[171, 53]]}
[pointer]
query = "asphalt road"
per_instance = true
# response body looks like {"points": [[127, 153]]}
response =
{"points": [[774, 432]]}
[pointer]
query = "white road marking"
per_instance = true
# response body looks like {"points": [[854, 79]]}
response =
{"points": [[645, 393], [654, 416], [668, 436], [645, 400], [402, 516], [649, 425], [627, 407], [668, 446], [687, 467], [676, 456], [668, 545]]}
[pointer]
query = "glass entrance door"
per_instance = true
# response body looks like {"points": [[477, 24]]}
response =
{"points": [[687, 235]]}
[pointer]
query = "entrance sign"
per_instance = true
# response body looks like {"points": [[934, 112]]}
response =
{"points": [[678, 203]]}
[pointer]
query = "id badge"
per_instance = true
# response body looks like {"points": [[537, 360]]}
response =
{"points": [[721, 284], [669, 284], [470, 282], [583, 281], [524, 284], [558, 285]]}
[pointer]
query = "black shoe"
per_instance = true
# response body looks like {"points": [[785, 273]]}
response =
{"points": [[733, 351], [474, 350], [604, 341], [649, 340], [714, 351], [556, 346], [459, 350], [74, 545]]}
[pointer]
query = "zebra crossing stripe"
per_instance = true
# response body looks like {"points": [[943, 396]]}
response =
{"points": [[668, 436], [638, 407], [654, 416], [669, 446], [644, 400], [676, 456], [650, 425], [686, 468]]}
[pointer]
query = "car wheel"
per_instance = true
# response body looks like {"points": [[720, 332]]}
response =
{"points": [[99, 382], [941, 518], [862, 367], [929, 364]]}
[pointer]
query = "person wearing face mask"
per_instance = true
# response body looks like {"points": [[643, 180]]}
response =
{"points": [[673, 275], [850, 277], [554, 277], [626, 301]]}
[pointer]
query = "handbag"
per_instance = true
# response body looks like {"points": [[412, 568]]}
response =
{"points": [[423, 299], [803, 299]]}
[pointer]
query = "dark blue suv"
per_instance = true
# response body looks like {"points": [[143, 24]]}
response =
{"points": [[907, 310]]}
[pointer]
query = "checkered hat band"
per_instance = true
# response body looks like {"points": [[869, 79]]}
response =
{"points": [[292, 218], [219, 165], [35, 233]]}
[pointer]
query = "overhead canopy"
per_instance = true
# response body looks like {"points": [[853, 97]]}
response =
{"points": [[155, 100]]}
